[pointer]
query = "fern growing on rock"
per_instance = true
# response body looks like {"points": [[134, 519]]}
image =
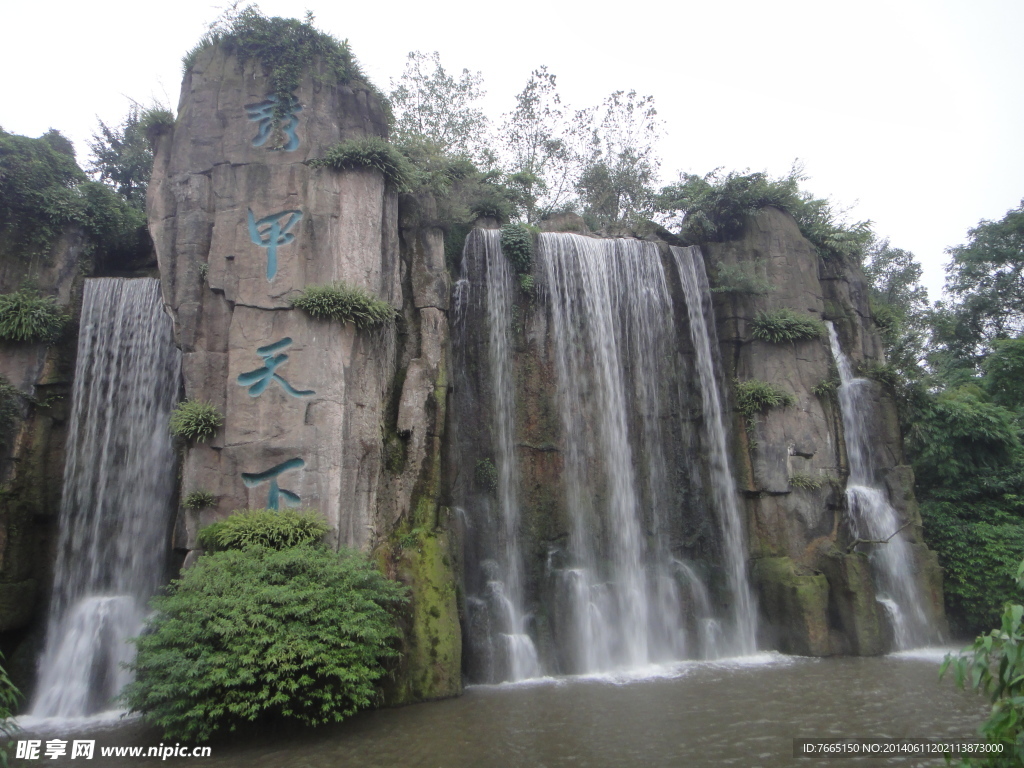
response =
{"points": [[784, 325], [27, 316], [264, 527], [346, 303], [195, 420]]}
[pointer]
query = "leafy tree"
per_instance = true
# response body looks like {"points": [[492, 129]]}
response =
{"points": [[985, 282], [433, 107], [123, 156], [899, 305], [255, 635], [620, 169], [995, 665], [543, 146]]}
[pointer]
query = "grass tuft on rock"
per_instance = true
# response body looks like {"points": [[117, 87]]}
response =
{"points": [[346, 303], [784, 325]]}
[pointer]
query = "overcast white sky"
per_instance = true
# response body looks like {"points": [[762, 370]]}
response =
{"points": [[910, 111]]}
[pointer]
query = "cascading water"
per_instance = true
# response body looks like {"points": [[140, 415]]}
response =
{"points": [[595, 574], [611, 313], [116, 504], [690, 263], [502, 598], [872, 516]]}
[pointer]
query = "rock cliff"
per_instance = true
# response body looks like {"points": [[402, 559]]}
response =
{"points": [[317, 414]]}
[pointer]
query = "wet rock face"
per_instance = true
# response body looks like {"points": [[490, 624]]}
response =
{"points": [[781, 448], [317, 414]]}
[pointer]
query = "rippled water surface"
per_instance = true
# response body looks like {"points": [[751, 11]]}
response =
{"points": [[743, 712]]}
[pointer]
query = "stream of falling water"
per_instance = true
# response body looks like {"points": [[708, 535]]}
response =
{"points": [[611, 312], [118, 491], [690, 263], [873, 517]]}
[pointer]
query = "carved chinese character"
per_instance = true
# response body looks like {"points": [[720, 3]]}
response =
{"points": [[263, 113], [276, 493], [257, 381], [269, 232]]}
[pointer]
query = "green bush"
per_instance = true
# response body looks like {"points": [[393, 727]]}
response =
{"points": [[345, 303], [265, 528], [782, 325], [754, 396], [517, 247], [883, 373], [486, 475], [195, 420], [369, 152], [199, 500], [258, 635], [994, 664], [27, 316]]}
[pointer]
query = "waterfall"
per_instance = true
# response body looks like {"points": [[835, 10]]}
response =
{"points": [[116, 504], [611, 321], [690, 264], [502, 600], [585, 570], [872, 517]]}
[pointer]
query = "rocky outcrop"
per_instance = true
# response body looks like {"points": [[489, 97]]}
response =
{"points": [[317, 414], [791, 461]]}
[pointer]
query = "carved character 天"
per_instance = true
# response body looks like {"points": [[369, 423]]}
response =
{"points": [[258, 380]]}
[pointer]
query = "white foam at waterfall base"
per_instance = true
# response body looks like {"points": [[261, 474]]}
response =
{"points": [[115, 506]]}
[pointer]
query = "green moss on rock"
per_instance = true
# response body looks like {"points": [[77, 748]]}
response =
{"points": [[796, 599]]}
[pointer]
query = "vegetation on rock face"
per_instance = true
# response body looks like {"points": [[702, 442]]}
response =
{"points": [[783, 325], [27, 316], [517, 247], [9, 699], [806, 482], [715, 207], [369, 152], [10, 398], [346, 303], [994, 664], [754, 396], [486, 475], [257, 635], [199, 500], [195, 420], [285, 48], [271, 528]]}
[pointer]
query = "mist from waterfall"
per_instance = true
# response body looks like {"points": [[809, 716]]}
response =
{"points": [[117, 499]]}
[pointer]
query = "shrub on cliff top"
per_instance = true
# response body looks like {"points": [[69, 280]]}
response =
{"points": [[269, 528], [283, 47], [346, 303], [258, 635]]}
